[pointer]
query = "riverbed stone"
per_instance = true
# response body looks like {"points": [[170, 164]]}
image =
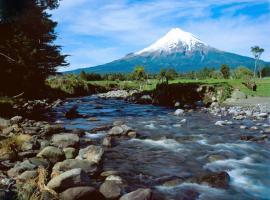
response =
{"points": [[110, 189], [118, 123], [20, 168], [51, 129], [53, 154], [139, 194], [179, 112], [65, 140], [4, 123], [91, 153], [16, 119], [216, 179], [70, 152], [107, 141], [116, 130], [27, 175], [109, 173], [213, 158], [89, 167], [81, 193], [69, 179]]}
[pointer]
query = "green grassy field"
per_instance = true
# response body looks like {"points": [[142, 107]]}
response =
{"points": [[263, 85]]}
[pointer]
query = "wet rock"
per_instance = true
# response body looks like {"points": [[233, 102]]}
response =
{"points": [[263, 115], [247, 137], [107, 141], [132, 134], [70, 152], [69, 179], [65, 140], [91, 153], [139, 194], [89, 167], [179, 112], [216, 179], [118, 123], [116, 130], [173, 182], [254, 128], [81, 193], [31, 130], [243, 127], [110, 190], [53, 154], [40, 162], [72, 113]]}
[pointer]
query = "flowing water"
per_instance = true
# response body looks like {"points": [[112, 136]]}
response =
{"points": [[167, 148]]}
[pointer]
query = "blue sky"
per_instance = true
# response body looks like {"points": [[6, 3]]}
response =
{"points": [[95, 32]]}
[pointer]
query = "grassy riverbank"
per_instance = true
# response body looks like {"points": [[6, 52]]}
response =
{"points": [[263, 85]]}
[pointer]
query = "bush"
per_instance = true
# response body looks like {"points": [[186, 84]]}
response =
{"points": [[242, 72]]}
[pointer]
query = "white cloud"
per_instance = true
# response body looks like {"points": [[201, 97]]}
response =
{"points": [[131, 26]]}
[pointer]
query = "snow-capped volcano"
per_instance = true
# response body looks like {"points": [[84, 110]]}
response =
{"points": [[178, 49], [176, 40]]}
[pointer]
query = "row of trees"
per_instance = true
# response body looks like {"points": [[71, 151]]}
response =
{"points": [[165, 75], [27, 52]]}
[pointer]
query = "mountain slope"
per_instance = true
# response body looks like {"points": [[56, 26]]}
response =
{"points": [[178, 49]]}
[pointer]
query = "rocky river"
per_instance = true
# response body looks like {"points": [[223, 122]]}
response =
{"points": [[99, 147], [174, 154]]}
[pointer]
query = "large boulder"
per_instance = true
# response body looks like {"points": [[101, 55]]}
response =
{"points": [[81, 193], [139, 194], [89, 167], [91, 153], [65, 140], [70, 152], [111, 189], [119, 130], [69, 179], [53, 154]]}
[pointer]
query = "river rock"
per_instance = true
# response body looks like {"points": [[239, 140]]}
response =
{"points": [[4, 123], [20, 168], [51, 129], [107, 141], [139, 194], [27, 175], [213, 158], [81, 193], [216, 179], [65, 140], [53, 154], [69, 179], [110, 190], [116, 130], [89, 167], [32, 144], [91, 153], [118, 123], [115, 178], [179, 112], [16, 119], [263, 115], [109, 173], [70, 152]]}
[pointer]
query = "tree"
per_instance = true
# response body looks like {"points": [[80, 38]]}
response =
{"points": [[167, 74], [139, 75], [162, 75], [257, 52], [83, 75], [225, 70], [27, 52], [266, 71], [242, 72]]}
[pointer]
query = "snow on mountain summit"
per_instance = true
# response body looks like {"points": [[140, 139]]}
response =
{"points": [[175, 40]]}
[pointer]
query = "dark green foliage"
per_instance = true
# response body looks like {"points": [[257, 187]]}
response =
{"points": [[90, 76], [242, 72], [205, 73], [167, 74], [225, 70], [266, 71], [27, 53]]}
